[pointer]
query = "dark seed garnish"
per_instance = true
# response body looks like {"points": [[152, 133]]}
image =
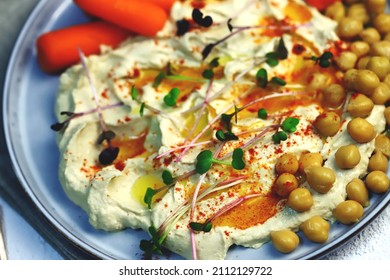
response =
{"points": [[108, 155]]}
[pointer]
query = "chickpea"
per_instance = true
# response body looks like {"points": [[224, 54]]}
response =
{"points": [[349, 78], [386, 37], [287, 163], [362, 62], [357, 191], [316, 229], [320, 178], [358, 11], [285, 241], [377, 181], [378, 161], [346, 60], [366, 81], [382, 23], [349, 28], [382, 144], [328, 123], [300, 200], [381, 48], [387, 115], [360, 105], [347, 157], [361, 130], [336, 11], [380, 65], [318, 81], [386, 80], [370, 35], [285, 184], [334, 95], [309, 160], [376, 6], [360, 48], [348, 212], [381, 94]]}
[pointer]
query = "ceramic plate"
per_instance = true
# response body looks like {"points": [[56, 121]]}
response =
{"points": [[28, 113]]}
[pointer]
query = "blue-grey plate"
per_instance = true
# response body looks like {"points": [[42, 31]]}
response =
{"points": [[28, 112]]}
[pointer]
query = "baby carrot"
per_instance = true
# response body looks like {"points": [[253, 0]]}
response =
{"points": [[57, 50], [141, 17], [165, 4]]}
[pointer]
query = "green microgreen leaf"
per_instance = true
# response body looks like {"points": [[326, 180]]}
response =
{"points": [[106, 135], [226, 120], [225, 136], [278, 81], [229, 24], [207, 50], [167, 177], [159, 78], [262, 78], [279, 136], [272, 59], [204, 161], [214, 62], [134, 93], [281, 50], [326, 55], [238, 161], [142, 109], [149, 196], [262, 114], [171, 98], [290, 124], [324, 63], [208, 74], [204, 21], [205, 227], [323, 60], [108, 155]]}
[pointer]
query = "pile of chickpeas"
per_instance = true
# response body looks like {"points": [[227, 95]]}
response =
{"points": [[364, 81]]}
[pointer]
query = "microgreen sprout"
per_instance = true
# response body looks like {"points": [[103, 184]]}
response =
{"points": [[169, 182], [109, 154], [262, 79], [184, 25], [205, 227], [225, 136], [279, 136], [204, 21], [205, 160], [262, 113], [167, 177], [323, 60], [171, 98], [289, 125]]}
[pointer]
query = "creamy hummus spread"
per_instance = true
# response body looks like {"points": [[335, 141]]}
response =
{"points": [[153, 136]]}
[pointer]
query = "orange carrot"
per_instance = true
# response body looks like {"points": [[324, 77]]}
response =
{"points": [[165, 4], [138, 16], [59, 49]]}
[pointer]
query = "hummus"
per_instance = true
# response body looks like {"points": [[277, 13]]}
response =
{"points": [[153, 136]]}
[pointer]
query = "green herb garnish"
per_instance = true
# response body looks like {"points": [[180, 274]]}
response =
{"points": [[290, 125], [262, 114], [171, 98], [205, 160], [205, 227], [225, 136]]}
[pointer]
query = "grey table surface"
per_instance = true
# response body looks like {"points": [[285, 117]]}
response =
{"points": [[372, 243]]}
